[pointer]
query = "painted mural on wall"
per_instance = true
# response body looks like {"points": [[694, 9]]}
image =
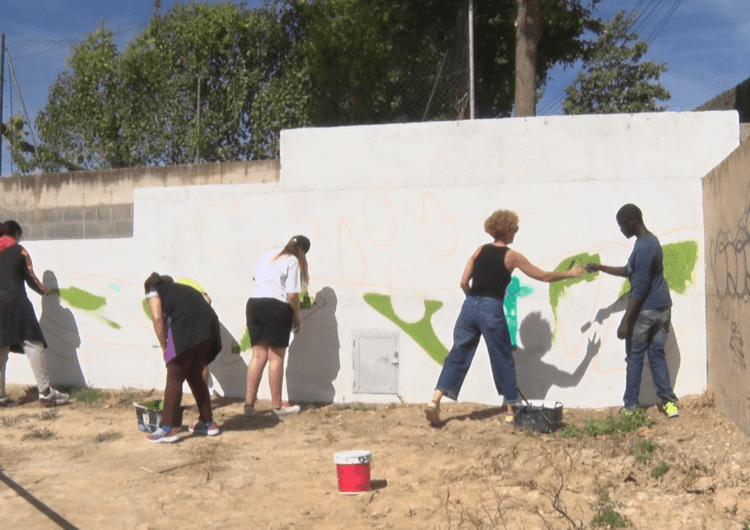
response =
{"points": [[405, 302], [679, 267], [392, 226]]}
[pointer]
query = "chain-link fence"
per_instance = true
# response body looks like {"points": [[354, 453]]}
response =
{"points": [[36, 63], [436, 87]]}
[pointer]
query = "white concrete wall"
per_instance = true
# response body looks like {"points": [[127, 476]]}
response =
{"points": [[397, 210]]}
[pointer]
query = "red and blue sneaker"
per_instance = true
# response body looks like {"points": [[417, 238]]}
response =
{"points": [[163, 435]]}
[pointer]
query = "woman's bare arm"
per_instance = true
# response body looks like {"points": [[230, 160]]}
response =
{"points": [[157, 318], [515, 260]]}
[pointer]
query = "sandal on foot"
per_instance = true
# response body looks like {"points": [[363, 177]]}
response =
{"points": [[509, 419], [432, 412]]}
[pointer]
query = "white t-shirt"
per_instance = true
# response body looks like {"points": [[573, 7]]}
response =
{"points": [[276, 279]]}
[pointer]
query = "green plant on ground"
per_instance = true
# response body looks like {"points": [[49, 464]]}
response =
{"points": [[128, 397], [89, 396], [696, 465], [644, 450], [609, 426], [572, 431], [353, 406], [606, 515], [732, 510], [661, 468], [38, 434], [10, 420], [48, 415]]}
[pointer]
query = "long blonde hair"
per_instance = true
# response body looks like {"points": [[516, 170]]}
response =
{"points": [[294, 248]]}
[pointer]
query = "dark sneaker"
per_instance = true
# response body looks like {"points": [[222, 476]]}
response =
{"points": [[249, 410], [671, 410], [53, 398], [162, 436], [202, 428]]}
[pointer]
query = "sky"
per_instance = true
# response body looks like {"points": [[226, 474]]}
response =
{"points": [[705, 43]]}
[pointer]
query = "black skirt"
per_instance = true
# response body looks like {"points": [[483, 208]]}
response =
{"points": [[269, 320]]}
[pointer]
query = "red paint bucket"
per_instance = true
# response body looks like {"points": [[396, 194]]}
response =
{"points": [[353, 471]]}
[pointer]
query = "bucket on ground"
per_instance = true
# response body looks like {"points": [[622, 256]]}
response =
{"points": [[538, 415], [353, 470], [149, 414]]}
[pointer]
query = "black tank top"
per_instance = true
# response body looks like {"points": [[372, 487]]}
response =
{"points": [[490, 276]]}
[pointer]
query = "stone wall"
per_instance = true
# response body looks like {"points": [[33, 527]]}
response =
{"points": [[736, 98], [726, 211], [99, 204]]}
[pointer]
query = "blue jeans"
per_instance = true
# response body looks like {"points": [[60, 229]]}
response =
{"points": [[648, 335], [480, 316]]}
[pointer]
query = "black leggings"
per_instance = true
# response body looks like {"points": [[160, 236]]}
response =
{"points": [[188, 365]]}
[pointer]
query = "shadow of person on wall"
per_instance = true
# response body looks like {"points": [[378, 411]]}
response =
{"points": [[63, 339], [313, 360], [535, 377], [647, 395], [228, 371]]}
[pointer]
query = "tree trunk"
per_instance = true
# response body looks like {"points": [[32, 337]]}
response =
{"points": [[529, 25]]}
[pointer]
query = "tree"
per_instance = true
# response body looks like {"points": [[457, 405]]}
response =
{"points": [[81, 120], [28, 157], [615, 79], [189, 88], [219, 82], [374, 62], [191, 80], [564, 22]]}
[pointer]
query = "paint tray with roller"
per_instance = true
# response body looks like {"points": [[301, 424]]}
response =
{"points": [[538, 415]]}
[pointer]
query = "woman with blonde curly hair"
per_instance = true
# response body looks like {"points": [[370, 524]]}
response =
{"points": [[485, 278]]}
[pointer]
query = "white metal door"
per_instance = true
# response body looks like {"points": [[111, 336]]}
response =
{"points": [[375, 362]]}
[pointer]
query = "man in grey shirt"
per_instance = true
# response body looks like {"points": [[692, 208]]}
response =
{"points": [[645, 325]]}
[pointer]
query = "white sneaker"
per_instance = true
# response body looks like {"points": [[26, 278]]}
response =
{"points": [[53, 398], [286, 411]]}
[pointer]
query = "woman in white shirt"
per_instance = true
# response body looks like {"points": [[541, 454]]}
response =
{"points": [[272, 314]]}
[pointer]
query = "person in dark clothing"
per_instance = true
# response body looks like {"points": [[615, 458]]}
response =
{"points": [[485, 278], [19, 328], [182, 313], [645, 325]]}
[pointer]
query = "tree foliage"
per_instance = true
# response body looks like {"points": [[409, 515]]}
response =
{"points": [[376, 62], [615, 78], [219, 82], [547, 29]]}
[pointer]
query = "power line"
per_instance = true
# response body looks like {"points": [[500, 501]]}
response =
{"points": [[664, 22], [554, 104], [72, 42], [647, 15]]}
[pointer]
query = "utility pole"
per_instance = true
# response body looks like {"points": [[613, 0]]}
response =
{"points": [[2, 91], [23, 105], [471, 60]]}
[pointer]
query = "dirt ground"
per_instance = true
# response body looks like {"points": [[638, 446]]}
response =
{"points": [[88, 466]]}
